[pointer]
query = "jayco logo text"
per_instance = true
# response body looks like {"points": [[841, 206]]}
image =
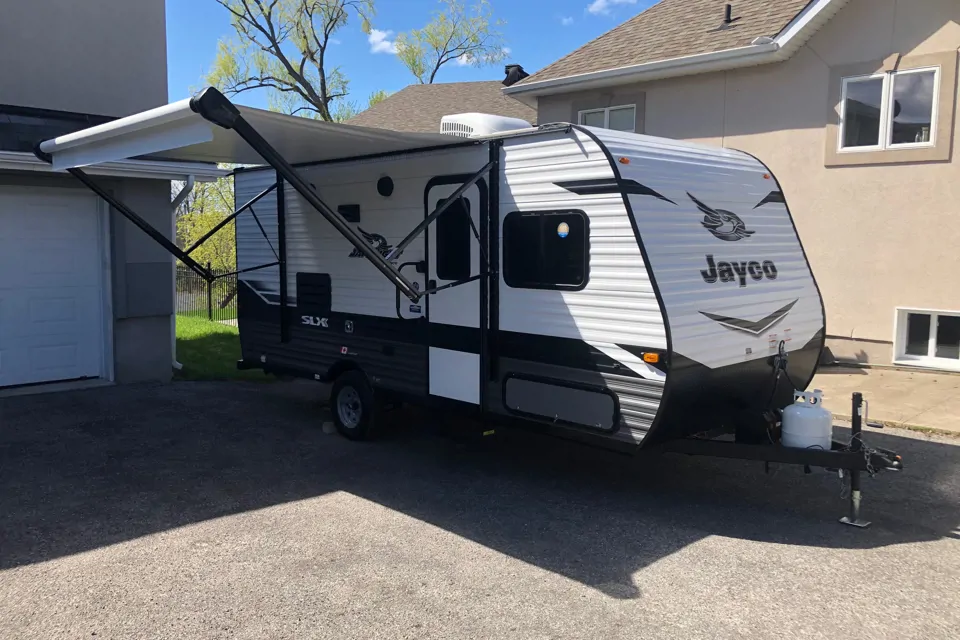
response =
{"points": [[738, 271]]}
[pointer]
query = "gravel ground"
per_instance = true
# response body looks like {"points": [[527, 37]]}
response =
{"points": [[221, 510]]}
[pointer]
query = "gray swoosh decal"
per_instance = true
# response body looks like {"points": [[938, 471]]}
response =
{"points": [[753, 327]]}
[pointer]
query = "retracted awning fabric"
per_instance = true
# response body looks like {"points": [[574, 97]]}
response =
{"points": [[179, 132]]}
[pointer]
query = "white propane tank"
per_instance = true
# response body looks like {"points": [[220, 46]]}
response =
{"points": [[806, 424]]}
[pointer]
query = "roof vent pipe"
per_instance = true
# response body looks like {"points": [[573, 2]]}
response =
{"points": [[515, 74], [727, 13]]}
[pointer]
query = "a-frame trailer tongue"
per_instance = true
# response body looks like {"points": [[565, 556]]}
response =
{"points": [[210, 128]]}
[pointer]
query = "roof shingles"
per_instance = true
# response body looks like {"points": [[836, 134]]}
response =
{"points": [[419, 107], [674, 29]]}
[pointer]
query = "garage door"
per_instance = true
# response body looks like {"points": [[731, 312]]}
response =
{"points": [[51, 310]]}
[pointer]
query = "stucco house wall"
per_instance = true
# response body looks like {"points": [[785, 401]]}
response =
{"points": [[879, 236]]}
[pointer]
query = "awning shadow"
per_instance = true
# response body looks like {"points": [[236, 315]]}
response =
{"points": [[88, 469]]}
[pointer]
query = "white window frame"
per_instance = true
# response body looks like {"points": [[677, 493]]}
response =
{"points": [[900, 340], [606, 114], [886, 107]]}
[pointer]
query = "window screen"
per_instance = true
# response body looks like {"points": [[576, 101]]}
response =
{"points": [[545, 250], [453, 241]]}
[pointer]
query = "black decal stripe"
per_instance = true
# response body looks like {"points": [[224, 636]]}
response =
{"points": [[610, 185], [774, 197], [454, 338], [756, 327]]}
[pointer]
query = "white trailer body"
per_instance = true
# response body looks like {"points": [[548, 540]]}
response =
{"points": [[671, 274], [606, 286]]}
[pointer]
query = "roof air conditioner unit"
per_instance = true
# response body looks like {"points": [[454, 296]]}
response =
{"points": [[475, 125]]}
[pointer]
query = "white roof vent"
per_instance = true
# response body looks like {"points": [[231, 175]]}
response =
{"points": [[475, 125]]}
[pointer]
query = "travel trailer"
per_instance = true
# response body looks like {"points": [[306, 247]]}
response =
{"points": [[615, 288]]}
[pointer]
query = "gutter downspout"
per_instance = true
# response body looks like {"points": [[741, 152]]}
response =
{"points": [[173, 316]]}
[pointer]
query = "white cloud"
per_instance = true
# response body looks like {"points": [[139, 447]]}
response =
{"points": [[566, 21], [335, 41], [380, 42], [602, 7]]}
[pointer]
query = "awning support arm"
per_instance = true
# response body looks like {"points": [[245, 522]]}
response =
{"points": [[403, 244], [226, 221], [215, 107], [234, 273], [144, 226]]}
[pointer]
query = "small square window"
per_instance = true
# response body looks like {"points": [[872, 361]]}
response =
{"points": [[928, 338], [545, 250], [889, 111], [619, 118]]}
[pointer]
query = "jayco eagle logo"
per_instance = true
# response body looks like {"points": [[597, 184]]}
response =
{"points": [[378, 242], [723, 224]]}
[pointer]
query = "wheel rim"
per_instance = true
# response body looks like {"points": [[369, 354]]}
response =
{"points": [[348, 407]]}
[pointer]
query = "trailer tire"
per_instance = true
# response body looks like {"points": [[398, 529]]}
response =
{"points": [[354, 406]]}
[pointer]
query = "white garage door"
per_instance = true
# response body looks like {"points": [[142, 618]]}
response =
{"points": [[51, 309]]}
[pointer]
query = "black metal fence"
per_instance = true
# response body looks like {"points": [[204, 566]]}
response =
{"points": [[215, 300]]}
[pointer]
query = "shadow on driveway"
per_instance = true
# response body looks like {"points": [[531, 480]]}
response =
{"points": [[82, 470]]}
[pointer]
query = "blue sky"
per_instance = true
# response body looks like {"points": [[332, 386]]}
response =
{"points": [[537, 33]]}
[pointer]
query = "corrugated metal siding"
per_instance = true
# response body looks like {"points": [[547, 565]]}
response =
{"points": [[252, 249], [313, 245], [618, 304], [677, 244]]}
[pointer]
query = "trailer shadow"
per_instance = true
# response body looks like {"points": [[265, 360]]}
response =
{"points": [[88, 469]]}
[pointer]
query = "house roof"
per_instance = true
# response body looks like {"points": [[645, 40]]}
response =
{"points": [[674, 29], [419, 107]]}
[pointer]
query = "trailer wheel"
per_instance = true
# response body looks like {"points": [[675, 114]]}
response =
{"points": [[353, 405]]}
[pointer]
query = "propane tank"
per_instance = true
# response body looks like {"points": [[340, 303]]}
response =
{"points": [[806, 424]]}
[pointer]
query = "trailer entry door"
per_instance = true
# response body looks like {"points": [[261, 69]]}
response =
{"points": [[454, 314]]}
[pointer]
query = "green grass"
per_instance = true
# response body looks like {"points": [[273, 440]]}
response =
{"points": [[229, 313], [209, 351]]}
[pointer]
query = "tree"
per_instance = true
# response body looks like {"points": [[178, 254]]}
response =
{"points": [[207, 205], [454, 34], [282, 45], [377, 97]]}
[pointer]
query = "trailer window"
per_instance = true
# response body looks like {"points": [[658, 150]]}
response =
{"points": [[453, 241], [545, 250]]}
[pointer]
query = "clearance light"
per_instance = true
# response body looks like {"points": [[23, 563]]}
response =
{"points": [[624, 160], [652, 358]]}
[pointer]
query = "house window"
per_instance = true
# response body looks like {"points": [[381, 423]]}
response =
{"points": [[895, 110], [546, 250], [928, 338], [621, 118], [453, 241]]}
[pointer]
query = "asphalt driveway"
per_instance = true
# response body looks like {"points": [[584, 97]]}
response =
{"points": [[221, 510]]}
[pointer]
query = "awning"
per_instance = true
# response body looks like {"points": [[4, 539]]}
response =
{"points": [[179, 131], [210, 128]]}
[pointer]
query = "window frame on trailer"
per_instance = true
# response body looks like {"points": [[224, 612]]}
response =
{"points": [[606, 116], [901, 357], [541, 213], [885, 133]]}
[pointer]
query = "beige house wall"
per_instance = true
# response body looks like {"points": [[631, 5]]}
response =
{"points": [[879, 236], [103, 57]]}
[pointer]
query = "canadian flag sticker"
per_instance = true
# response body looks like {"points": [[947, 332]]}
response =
{"points": [[343, 350]]}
